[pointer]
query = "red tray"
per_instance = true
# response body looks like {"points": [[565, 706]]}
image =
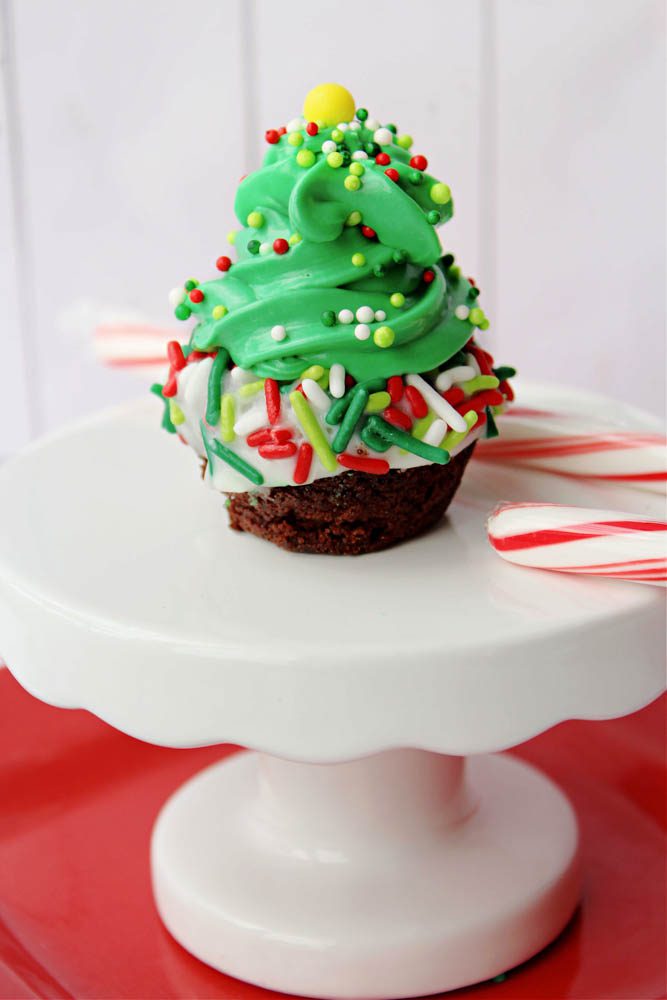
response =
{"points": [[78, 801]]}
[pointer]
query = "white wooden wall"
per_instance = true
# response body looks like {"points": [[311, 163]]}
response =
{"points": [[125, 124]]}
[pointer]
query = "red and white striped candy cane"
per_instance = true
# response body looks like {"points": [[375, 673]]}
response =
{"points": [[579, 447], [140, 347], [578, 540]]}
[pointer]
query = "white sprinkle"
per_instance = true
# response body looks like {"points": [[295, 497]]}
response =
{"points": [[264, 248], [354, 126], [437, 403], [294, 125], [251, 419], [383, 136], [461, 312], [362, 332], [278, 332], [315, 394], [380, 315], [360, 154], [365, 314], [451, 376], [435, 433], [343, 126], [239, 376], [329, 146], [176, 296], [345, 316], [472, 361], [337, 381], [372, 124]]}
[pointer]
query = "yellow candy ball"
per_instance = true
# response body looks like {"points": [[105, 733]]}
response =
{"points": [[358, 259], [383, 336], [328, 103], [440, 194], [352, 183], [255, 220], [219, 312]]}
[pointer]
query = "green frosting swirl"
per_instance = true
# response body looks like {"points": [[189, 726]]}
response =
{"points": [[323, 273]]}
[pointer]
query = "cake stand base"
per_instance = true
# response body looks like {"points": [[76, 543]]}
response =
{"points": [[397, 875]]}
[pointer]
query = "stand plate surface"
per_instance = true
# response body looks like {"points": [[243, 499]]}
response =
{"points": [[122, 590]]}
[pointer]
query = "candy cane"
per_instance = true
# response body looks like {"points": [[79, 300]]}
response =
{"points": [[136, 346], [579, 447], [579, 540]]}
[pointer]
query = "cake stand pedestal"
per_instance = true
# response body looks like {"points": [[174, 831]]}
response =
{"points": [[355, 852]]}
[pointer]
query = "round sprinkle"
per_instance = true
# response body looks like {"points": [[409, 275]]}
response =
{"points": [[328, 146], [383, 136], [295, 139], [440, 194], [484, 325], [378, 271], [346, 316], [255, 220], [359, 154], [312, 128], [352, 183], [196, 295], [264, 249], [392, 174], [358, 259], [190, 284], [328, 317], [404, 141], [337, 135], [294, 239], [272, 136], [280, 245], [369, 233], [335, 160], [372, 124], [176, 296], [415, 177], [383, 336], [461, 312], [433, 217], [354, 126], [182, 311], [397, 300], [223, 263], [357, 169], [278, 332], [342, 126], [361, 114], [392, 128], [231, 237], [305, 158], [365, 314], [419, 162], [294, 124], [428, 276], [383, 159], [362, 331], [380, 315], [353, 219], [219, 312], [372, 148], [476, 315]]}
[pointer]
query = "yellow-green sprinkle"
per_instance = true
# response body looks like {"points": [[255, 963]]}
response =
{"points": [[251, 388], [420, 426], [176, 413], [313, 431], [315, 372], [378, 401], [480, 382], [453, 438], [227, 417]]}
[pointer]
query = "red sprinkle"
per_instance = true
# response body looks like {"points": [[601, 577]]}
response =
{"points": [[418, 162], [223, 263], [507, 390], [272, 136], [417, 402], [198, 356], [282, 130], [383, 159], [428, 276], [175, 355], [481, 358], [280, 435], [272, 397], [472, 282], [312, 128], [262, 436], [398, 418], [169, 387], [488, 397], [395, 388], [392, 174], [196, 295], [379, 466], [280, 245], [303, 462], [278, 450], [369, 233], [349, 381], [455, 395]]}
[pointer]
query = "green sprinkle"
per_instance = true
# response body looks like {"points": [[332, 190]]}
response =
{"points": [[377, 402], [453, 438], [338, 408], [433, 217], [313, 431], [251, 388], [182, 311], [209, 456], [227, 416], [167, 424], [362, 114], [253, 246], [349, 421], [176, 413], [501, 978], [373, 148], [473, 293], [190, 284], [237, 463], [374, 384], [373, 440], [404, 440], [315, 372], [416, 177], [420, 426], [491, 427], [214, 380], [398, 256], [378, 271], [504, 372], [480, 382], [328, 317]]}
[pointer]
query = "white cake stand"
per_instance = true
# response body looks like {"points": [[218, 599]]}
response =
{"points": [[355, 853]]}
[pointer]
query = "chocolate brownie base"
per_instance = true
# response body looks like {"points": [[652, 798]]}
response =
{"points": [[351, 513]]}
